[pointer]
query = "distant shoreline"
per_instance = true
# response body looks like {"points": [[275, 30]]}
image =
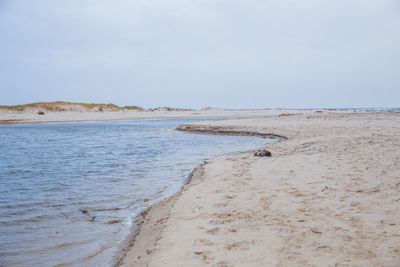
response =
{"points": [[60, 111], [32, 116]]}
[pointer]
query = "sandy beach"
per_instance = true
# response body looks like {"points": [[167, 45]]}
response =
{"points": [[200, 133], [328, 196], [32, 116]]}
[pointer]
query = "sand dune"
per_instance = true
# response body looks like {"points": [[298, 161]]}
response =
{"points": [[328, 196]]}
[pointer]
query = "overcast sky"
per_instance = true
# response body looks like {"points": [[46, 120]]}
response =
{"points": [[200, 53]]}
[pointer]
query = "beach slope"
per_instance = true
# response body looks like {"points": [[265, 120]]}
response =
{"points": [[328, 196]]}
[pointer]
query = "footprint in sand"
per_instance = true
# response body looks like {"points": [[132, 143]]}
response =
{"points": [[222, 204], [205, 256], [265, 203], [243, 245], [213, 231], [223, 264], [203, 241]]}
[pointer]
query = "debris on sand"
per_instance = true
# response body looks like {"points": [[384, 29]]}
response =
{"points": [[263, 153]]}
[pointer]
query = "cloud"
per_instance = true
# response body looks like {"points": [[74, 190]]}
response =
{"points": [[240, 52]]}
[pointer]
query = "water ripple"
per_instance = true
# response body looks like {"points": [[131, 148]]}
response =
{"points": [[63, 183]]}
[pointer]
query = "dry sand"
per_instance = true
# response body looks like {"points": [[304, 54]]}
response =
{"points": [[32, 116], [328, 196]]}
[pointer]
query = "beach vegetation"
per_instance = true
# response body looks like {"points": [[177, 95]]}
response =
{"points": [[144, 213], [169, 109], [59, 106], [114, 221], [133, 108]]}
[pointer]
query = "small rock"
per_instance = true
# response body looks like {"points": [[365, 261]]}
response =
{"points": [[84, 211], [41, 113], [262, 153]]}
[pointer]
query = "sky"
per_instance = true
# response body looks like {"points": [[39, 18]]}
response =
{"points": [[202, 53]]}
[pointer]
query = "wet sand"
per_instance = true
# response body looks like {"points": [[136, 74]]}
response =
{"points": [[328, 196]]}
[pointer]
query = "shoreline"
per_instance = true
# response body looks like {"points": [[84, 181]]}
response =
{"points": [[7, 117], [312, 142], [147, 228], [231, 132], [159, 210], [11, 122]]}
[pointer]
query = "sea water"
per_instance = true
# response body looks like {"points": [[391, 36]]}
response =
{"points": [[69, 191]]}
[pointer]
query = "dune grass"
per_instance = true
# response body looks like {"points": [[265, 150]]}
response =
{"points": [[68, 106], [59, 106], [169, 109]]}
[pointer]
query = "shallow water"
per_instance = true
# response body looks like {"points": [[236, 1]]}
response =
{"points": [[69, 191]]}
